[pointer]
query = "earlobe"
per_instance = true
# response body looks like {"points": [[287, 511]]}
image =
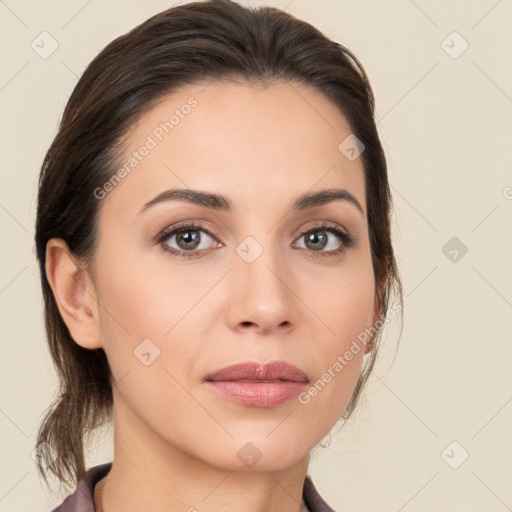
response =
{"points": [[74, 294]]}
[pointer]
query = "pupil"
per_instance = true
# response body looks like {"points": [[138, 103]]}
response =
{"points": [[315, 238], [189, 239]]}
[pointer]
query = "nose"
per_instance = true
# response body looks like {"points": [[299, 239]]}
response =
{"points": [[261, 296]]}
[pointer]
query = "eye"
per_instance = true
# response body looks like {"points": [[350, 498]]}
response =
{"points": [[320, 239], [190, 239]]}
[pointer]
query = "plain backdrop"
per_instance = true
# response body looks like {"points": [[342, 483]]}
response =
{"points": [[433, 432]]}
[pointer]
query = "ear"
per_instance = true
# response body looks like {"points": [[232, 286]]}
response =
{"points": [[74, 294]]}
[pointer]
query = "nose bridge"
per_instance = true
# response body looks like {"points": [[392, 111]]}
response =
{"points": [[258, 265], [261, 293]]}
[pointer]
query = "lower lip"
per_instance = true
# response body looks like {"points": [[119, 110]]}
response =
{"points": [[258, 394]]}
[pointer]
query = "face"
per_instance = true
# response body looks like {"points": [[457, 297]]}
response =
{"points": [[191, 284]]}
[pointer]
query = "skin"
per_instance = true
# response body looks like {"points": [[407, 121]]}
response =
{"points": [[261, 148]]}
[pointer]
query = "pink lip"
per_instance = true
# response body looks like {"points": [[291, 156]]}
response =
{"points": [[258, 385]]}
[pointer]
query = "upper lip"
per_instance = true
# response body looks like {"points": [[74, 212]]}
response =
{"points": [[253, 371]]}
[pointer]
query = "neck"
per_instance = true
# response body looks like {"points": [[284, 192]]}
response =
{"points": [[149, 473]]}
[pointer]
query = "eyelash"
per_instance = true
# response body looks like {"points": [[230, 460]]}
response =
{"points": [[346, 238]]}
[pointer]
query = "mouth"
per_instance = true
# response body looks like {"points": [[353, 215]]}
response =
{"points": [[258, 385]]}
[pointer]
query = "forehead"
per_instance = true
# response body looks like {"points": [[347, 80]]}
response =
{"points": [[244, 141]]}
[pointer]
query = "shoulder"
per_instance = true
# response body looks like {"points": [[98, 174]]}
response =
{"points": [[312, 498], [82, 499]]}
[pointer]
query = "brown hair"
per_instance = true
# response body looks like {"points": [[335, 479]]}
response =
{"points": [[188, 44]]}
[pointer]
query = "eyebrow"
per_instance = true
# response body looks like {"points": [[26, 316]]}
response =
{"points": [[219, 202]]}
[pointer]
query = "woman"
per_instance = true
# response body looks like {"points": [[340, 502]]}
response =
{"points": [[213, 234]]}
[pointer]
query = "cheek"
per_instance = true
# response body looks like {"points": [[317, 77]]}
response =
{"points": [[143, 324], [345, 307], [150, 307], [141, 298]]}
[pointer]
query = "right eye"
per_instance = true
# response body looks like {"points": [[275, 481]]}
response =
{"points": [[188, 238]]}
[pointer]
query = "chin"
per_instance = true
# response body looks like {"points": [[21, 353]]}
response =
{"points": [[260, 451]]}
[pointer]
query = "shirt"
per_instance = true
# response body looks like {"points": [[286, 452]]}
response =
{"points": [[82, 499]]}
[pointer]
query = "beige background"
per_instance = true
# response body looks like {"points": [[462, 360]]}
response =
{"points": [[446, 126]]}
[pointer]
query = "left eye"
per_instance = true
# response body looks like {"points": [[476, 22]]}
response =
{"points": [[318, 240], [320, 244]]}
